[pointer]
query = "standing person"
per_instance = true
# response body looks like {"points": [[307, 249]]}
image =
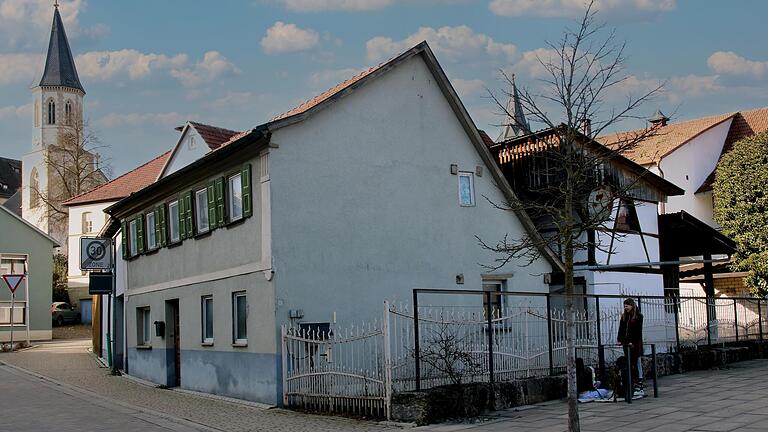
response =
{"points": [[631, 335]]}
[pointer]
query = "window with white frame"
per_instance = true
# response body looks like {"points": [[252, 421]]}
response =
{"points": [[12, 264], [201, 202], [466, 189], [144, 327], [87, 222], [150, 230], [133, 238], [173, 221], [494, 287], [235, 197], [239, 318], [207, 315]]}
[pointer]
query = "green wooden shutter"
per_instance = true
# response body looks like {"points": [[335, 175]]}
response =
{"points": [[161, 222], [212, 204], [140, 233], [157, 226], [245, 182], [188, 210], [182, 219], [220, 201], [124, 236]]}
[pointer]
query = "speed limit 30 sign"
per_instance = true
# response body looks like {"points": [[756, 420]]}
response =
{"points": [[95, 253]]}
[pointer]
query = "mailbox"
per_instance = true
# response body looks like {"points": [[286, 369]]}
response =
{"points": [[160, 328]]}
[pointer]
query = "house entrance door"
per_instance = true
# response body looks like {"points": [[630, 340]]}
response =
{"points": [[174, 336]]}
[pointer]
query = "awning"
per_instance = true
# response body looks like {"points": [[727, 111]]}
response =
{"points": [[682, 235]]}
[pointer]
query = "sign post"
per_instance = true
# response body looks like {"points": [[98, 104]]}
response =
{"points": [[13, 281], [98, 253]]}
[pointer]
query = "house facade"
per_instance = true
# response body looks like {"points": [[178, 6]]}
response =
{"points": [[312, 219], [25, 249]]}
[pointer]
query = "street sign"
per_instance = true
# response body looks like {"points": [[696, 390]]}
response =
{"points": [[99, 283], [13, 281], [95, 253]]}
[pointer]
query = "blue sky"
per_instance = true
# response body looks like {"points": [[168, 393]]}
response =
{"points": [[148, 66]]}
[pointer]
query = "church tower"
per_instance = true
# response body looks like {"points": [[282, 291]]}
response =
{"points": [[58, 112]]}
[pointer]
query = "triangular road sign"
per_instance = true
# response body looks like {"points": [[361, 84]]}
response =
{"points": [[13, 281]]}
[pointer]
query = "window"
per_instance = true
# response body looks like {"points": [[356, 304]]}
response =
{"points": [[235, 195], [133, 237], [626, 218], [34, 189], [207, 309], [239, 318], [496, 304], [173, 218], [68, 112], [87, 223], [12, 265], [37, 113], [51, 112], [143, 333], [466, 189], [201, 202], [150, 230]]}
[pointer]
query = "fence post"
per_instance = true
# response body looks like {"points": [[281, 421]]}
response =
{"points": [[284, 362], [549, 336], [736, 320], [760, 319], [489, 319], [654, 372], [387, 362], [416, 347], [628, 381], [676, 304], [709, 328], [600, 348]]}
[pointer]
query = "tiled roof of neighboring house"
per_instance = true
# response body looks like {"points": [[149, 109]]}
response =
{"points": [[212, 135], [745, 124], [122, 186], [666, 140], [10, 176], [486, 139]]}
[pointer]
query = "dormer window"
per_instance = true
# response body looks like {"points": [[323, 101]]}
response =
{"points": [[51, 112]]}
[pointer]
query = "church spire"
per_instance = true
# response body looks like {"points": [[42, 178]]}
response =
{"points": [[515, 124], [59, 64]]}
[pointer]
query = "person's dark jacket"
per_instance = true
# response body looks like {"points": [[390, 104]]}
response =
{"points": [[631, 332]]}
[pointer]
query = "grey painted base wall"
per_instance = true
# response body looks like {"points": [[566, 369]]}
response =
{"points": [[243, 375]]}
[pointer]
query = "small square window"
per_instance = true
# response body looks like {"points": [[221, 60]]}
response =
{"points": [[133, 238], [144, 334], [150, 230], [466, 189], [201, 202], [235, 193], [173, 221], [239, 318], [207, 315], [496, 299]]}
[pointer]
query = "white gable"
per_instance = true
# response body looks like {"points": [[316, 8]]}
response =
{"points": [[190, 148]]}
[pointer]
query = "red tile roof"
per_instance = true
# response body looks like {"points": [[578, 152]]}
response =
{"points": [[666, 140], [212, 135], [124, 185], [486, 139]]}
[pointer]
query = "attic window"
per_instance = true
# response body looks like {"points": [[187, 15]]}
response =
{"points": [[466, 189]]}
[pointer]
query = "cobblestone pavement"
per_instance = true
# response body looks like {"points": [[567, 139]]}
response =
{"points": [[735, 399], [68, 362], [724, 400]]}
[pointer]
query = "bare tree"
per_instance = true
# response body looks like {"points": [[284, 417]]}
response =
{"points": [[73, 166], [567, 180]]}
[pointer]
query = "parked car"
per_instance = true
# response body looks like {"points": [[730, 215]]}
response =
{"points": [[64, 312]]}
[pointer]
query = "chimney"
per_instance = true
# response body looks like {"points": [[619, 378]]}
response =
{"points": [[658, 119], [586, 127]]}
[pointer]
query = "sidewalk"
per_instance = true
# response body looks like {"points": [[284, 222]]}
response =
{"points": [[719, 400]]}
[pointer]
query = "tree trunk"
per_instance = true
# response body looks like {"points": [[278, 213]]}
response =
{"points": [[570, 312]]}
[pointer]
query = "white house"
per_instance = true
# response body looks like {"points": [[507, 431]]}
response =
{"points": [[361, 194]]}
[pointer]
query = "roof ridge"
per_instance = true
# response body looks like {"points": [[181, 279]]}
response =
{"points": [[116, 178]]}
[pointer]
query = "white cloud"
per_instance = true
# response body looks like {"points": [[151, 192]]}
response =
{"points": [[636, 9], [329, 77], [105, 65], [530, 62], [450, 43], [680, 88], [466, 87], [17, 68], [283, 38], [234, 100], [27, 23], [169, 119], [16, 112], [728, 62], [325, 5], [212, 66]]}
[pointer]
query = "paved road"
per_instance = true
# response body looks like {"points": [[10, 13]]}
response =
{"points": [[79, 394]]}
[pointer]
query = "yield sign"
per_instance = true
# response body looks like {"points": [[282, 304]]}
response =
{"points": [[13, 281]]}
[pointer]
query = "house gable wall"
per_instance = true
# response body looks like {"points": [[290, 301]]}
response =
{"points": [[190, 148], [365, 207]]}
